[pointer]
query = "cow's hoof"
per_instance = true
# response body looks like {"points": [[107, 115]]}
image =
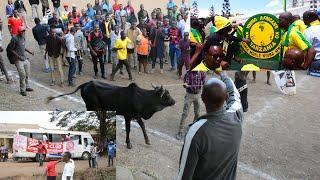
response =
{"points": [[129, 146]]}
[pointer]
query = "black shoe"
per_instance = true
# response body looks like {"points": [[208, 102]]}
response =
{"points": [[109, 62], [103, 77], [121, 72], [23, 93], [29, 89]]}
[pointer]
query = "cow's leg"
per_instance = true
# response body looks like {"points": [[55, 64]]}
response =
{"points": [[141, 123], [127, 120]]}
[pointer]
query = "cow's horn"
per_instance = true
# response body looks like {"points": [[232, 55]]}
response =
{"points": [[153, 85]]}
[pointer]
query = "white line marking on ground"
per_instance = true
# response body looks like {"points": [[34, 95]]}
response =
{"points": [[243, 167], [74, 99]]}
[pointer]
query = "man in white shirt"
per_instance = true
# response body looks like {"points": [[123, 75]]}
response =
{"points": [[69, 167], [71, 56], [312, 34]]}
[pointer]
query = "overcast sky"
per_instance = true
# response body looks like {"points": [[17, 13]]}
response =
{"points": [[28, 117], [248, 7]]}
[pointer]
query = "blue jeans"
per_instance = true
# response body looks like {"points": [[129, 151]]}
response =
{"points": [[174, 51], [72, 70], [94, 162]]}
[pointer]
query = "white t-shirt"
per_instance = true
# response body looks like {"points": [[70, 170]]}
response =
{"points": [[44, 138], [68, 170]]}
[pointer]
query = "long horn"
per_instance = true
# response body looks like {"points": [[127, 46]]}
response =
{"points": [[162, 91], [153, 85]]}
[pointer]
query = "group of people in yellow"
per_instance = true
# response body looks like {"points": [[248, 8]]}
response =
{"points": [[294, 36]]}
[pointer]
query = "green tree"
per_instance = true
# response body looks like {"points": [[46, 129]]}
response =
{"points": [[212, 11], [226, 9], [194, 9], [103, 122]]}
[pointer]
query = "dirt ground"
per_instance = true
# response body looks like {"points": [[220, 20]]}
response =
{"points": [[280, 133], [31, 170]]}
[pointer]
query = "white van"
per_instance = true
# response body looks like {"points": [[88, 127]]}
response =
{"points": [[81, 143]]}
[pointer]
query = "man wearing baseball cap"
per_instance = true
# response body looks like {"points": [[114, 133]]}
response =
{"points": [[22, 63]]}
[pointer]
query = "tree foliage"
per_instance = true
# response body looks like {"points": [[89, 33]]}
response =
{"points": [[212, 11], [103, 122], [226, 9], [194, 9]]}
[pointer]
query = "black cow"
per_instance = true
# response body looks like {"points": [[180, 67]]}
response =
{"points": [[132, 102]]}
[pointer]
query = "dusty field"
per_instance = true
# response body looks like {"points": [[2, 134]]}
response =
{"points": [[31, 170], [280, 137]]}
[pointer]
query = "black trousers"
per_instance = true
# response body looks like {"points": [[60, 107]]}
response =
{"points": [[120, 64], [98, 59], [240, 81]]}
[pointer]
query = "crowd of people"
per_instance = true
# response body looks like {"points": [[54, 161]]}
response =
{"points": [[102, 33]]}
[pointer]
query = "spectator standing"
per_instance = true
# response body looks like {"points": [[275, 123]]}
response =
{"points": [[133, 32], [106, 30], [40, 33], [111, 149], [166, 27], [93, 152], [193, 81], [120, 13], [18, 48], [97, 7], [53, 49], [143, 45], [116, 6], [65, 13], [9, 9], [45, 6], [69, 167], [170, 4], [71, 56], [19, 6], [3, 68], [106, 7], [56, 7], [175, 37], [115, 35], [50, 170], [34, 8], [90, 11], [184, 46], [121, 48], [97, 49], [143, 14], [158, 36], [79, 41], [130, 12]]}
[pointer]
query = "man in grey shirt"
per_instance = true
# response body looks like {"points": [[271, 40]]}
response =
{"points": [[22, 63], [211, 146]]}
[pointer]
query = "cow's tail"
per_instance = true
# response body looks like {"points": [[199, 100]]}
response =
{"points": [[61, 95]]}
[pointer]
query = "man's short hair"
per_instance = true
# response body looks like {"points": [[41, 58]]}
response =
{"points": [[68, 155], [37, 20]]}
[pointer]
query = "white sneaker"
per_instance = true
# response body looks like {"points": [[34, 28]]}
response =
{"points": [[161, 71], [152, 71]]}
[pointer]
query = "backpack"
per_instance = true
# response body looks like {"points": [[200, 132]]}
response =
{"points": [[10, 55]]}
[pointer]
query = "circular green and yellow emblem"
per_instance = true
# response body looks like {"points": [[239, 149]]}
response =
{"points": [[264, 34]]}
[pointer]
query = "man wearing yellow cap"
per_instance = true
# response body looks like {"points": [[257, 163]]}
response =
{"points": [[222, 38], [294, 38]]}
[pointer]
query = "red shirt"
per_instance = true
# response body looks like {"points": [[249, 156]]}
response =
{"points": [[75, 20], [42, 149], [15, 23], [51, 168], [115, 7], [174, 36]]}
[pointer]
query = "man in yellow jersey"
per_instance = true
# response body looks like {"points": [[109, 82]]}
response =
{"points": [[299, 24], [294, 38], [122, 56]]}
